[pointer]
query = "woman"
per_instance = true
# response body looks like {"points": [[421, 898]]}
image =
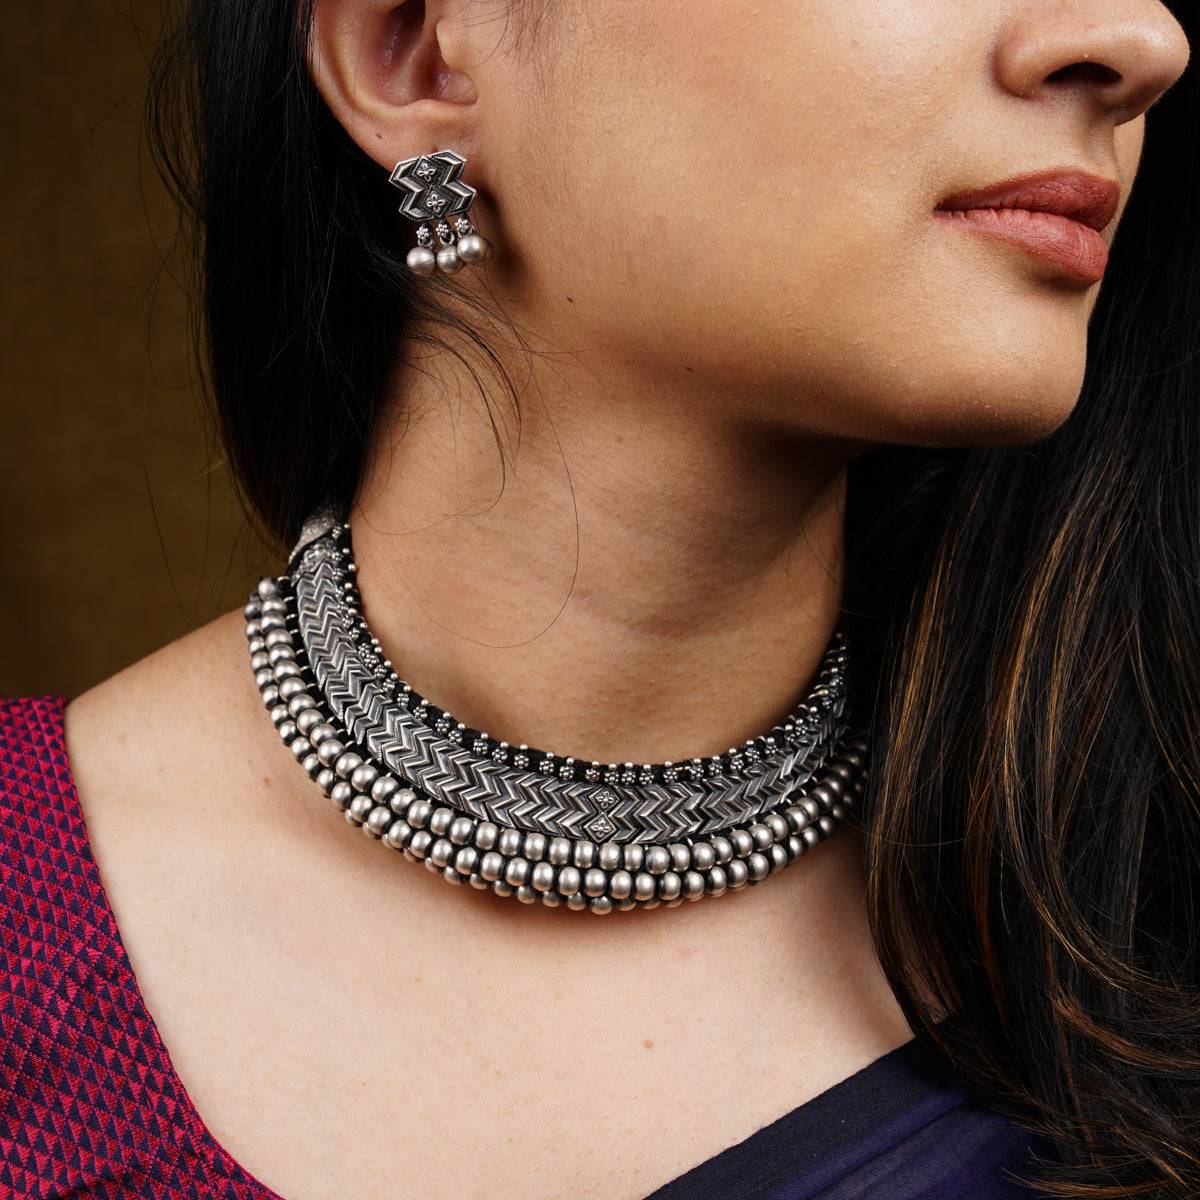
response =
{"points": [[771, 409]]}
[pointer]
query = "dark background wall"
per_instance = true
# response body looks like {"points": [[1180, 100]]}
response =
{"points": [[118, 526]]}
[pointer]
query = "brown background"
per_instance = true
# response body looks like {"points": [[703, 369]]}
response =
{"points": [[117, 519]]}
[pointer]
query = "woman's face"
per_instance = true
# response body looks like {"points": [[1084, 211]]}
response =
{"points": [[748, 193]]}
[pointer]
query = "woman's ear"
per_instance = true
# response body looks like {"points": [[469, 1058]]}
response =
{"points": [[392, 73]]}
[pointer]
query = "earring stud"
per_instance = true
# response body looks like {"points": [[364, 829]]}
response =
{"points": [[435, 197]]}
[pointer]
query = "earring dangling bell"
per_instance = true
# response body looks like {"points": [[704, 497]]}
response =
{"points": [[435, 197]]}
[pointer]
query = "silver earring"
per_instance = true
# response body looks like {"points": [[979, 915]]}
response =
{"points": [[436, 196]]}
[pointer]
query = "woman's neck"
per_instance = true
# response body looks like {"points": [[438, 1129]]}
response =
{"points": [[633, 582]]}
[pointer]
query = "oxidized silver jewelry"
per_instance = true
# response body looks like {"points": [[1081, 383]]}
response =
{"points": [[434, 195], [520, 821]]}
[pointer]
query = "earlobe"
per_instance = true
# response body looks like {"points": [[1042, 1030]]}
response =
{"points": [[380, 69]]}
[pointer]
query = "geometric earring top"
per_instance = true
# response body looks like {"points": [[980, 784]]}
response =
{"points": [[433, 194]]}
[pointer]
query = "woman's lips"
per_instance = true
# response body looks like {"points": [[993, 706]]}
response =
{"points": [[1054, 216]]}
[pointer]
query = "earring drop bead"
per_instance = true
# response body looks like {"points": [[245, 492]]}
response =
{"points": [[421, 260], [474, 248]]}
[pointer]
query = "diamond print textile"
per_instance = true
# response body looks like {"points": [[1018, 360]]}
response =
{"points": [[90, 1105]]}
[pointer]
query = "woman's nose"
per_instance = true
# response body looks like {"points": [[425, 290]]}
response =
{"points": [[1116, 56]]}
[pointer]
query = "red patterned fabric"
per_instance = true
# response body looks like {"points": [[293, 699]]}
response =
{"points": [[90, 1105]]}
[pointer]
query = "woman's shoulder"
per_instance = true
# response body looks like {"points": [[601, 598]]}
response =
{"points": [[89, 1101]]}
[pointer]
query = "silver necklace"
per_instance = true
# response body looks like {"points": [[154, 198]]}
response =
{"points": [[521, 821]]}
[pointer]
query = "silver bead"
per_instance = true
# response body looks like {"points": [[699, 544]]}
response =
{"points": [[509, 842], [288, 731], [569, 880], [811, 809], [516, 872], [418, 844], [609, 856], [595, 882], [474, 248], [797, 818], [716, 881], [758, 866], [322, 733], [658, 860], [460, 830], [534, 846], [418, 813], [307, 721], [541, 878], [329, 750], [601, 904], [722, 848], [503, 889], [421, 260], [363, 777], [397, 835], [693, 885], [703, 856], [822, 795], [835, 785], [466, 860], [583, 854], [300, 748], [811, 837], [448, 260], [670, 886], [491, 866], [360, 808], [826, 824], [486, 833], [347, 764], [777, 856], [577, 901], [777, 825], [526, 894], [326, 780], [743, 843], [737, 873], [440, 820], [643, 886], [620, 885], [450, 875], [442, 851], [343, 795], [634, 856], [290, 688], [379, 820], [762, 835], [302, 702], [681, 856], [558, 851]]}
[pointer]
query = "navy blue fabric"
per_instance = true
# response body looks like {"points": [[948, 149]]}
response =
{"points": [[900, 1129]]}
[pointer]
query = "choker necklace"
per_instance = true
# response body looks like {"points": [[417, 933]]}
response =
{"points": [[520, 821]]}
